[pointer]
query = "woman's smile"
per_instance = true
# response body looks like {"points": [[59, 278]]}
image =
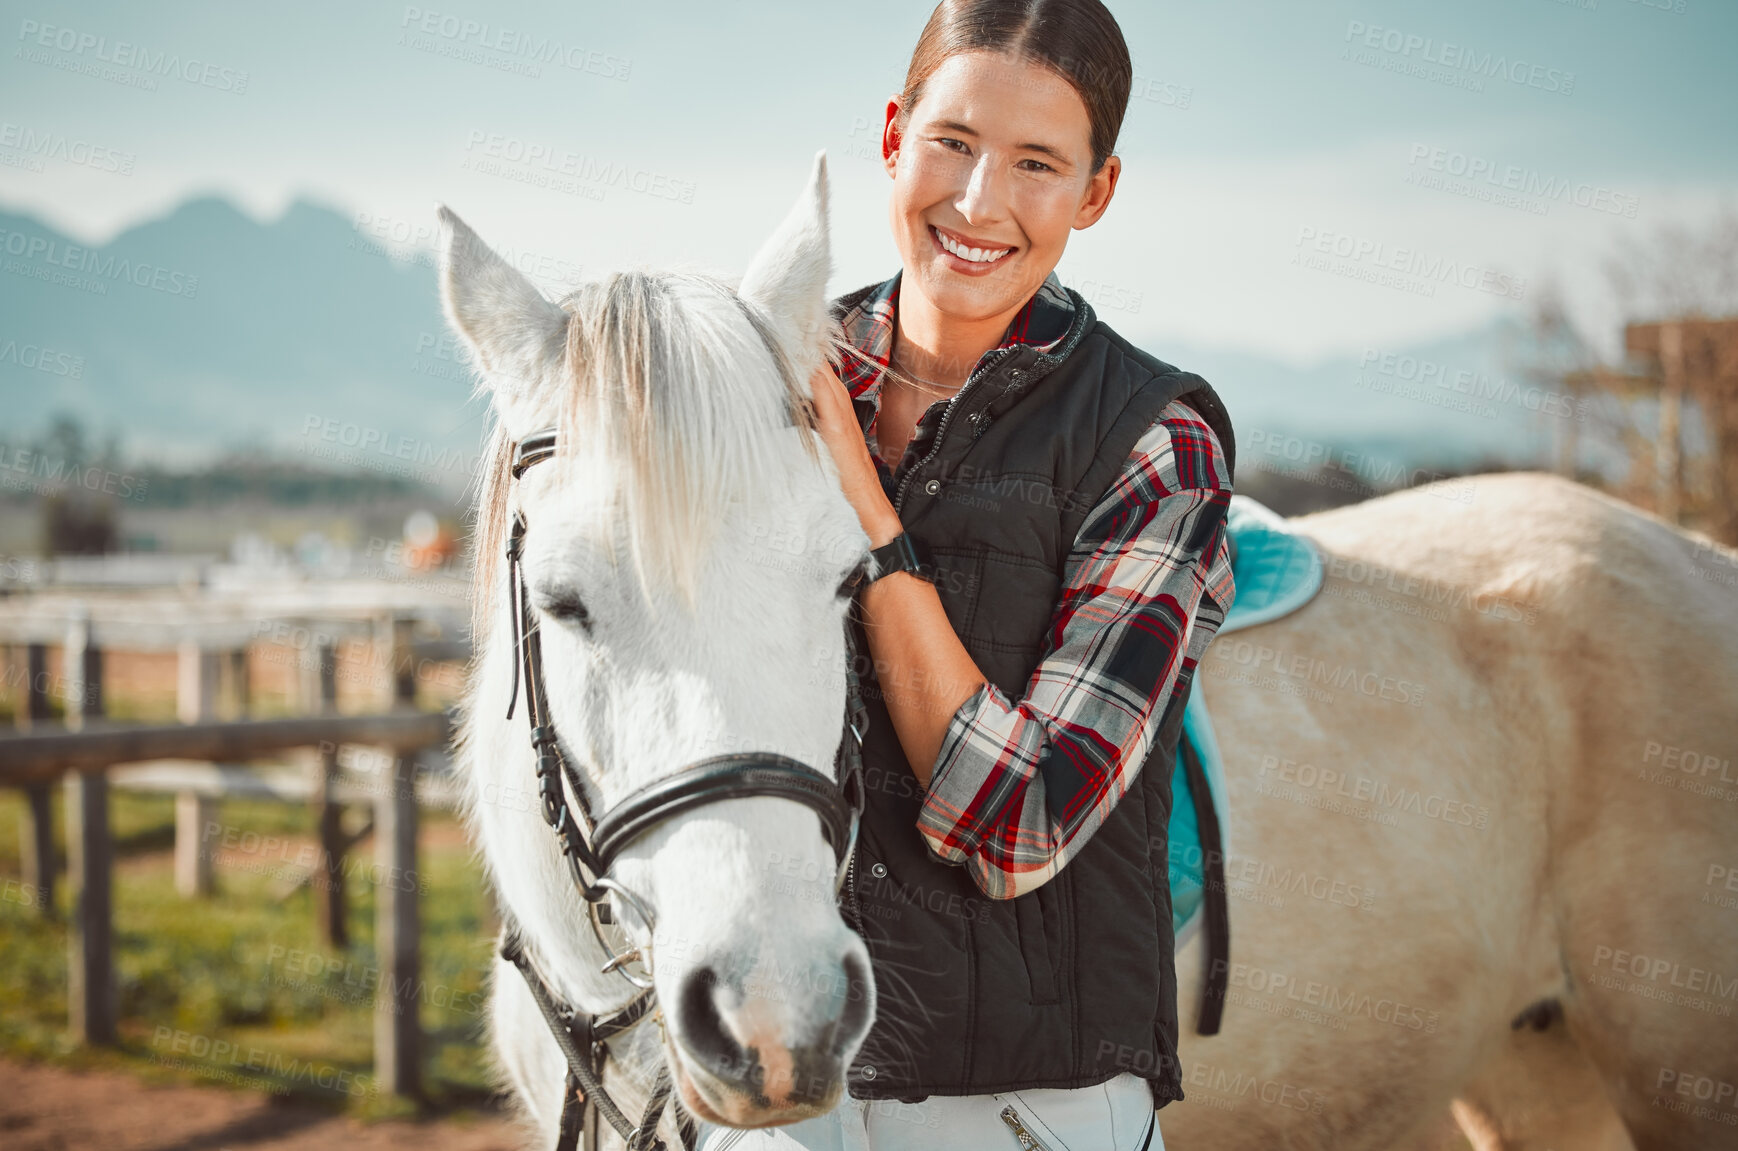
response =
{"points": [[967, 255]]}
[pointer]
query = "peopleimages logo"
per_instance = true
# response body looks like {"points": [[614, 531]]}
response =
{"points": [[488, 151], [24, 469], [464, 37], [221, 1055], [39, 145], [1412, 268], [1475, 385], [1459, 58], [52, 253], [38, 358], [153, 63], [1510, 184]]}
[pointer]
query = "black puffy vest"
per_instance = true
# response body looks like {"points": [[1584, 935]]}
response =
{"points": [[1074, 983]]}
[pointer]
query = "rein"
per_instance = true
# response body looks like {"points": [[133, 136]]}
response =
{"points": [[592, 843]]}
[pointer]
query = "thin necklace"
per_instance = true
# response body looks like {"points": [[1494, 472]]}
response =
{"points": [[905, 373]]}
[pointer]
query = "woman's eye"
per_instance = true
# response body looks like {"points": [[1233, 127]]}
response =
{"points": [[1038, 166], [565, 606], [952, 144], [853, 580]]}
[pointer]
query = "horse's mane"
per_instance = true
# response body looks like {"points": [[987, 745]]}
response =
{"points": [[675, 378]]}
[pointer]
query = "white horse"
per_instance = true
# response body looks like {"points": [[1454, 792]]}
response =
{"points": [[1487, 870], [685, 552], [1483, 779]]}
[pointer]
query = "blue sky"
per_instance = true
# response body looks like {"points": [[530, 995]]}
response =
{"points": [[1266, 203]]}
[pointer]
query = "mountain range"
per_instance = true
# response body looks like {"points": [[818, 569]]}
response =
{"points": [[206, 332]]}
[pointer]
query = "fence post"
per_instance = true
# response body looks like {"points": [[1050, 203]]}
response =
{"points": [[195, 702], [91, 993], [197, 682], [1668, 447], [320, 696], [36, 826], [397, 1030], [241, 681], [401, 634]]}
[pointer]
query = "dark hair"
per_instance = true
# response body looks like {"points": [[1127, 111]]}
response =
{"points": [[1079, 40]]}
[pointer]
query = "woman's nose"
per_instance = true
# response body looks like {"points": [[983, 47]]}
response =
{"points": [[984, 200]]}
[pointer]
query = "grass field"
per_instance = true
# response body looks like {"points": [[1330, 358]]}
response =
{"points": [[239, 988]]}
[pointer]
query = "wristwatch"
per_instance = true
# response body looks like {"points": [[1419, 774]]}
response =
{"points": [[898, 555]]}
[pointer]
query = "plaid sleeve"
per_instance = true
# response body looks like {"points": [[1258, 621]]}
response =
{"points": [[1020, 785]]}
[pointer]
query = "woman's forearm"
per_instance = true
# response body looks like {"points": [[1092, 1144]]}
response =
{"points": [[923, 670]]}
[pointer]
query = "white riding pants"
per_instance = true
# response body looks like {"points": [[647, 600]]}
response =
{"points": [[1113, 1116]]}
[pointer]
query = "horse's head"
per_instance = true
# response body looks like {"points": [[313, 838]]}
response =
{"points": [[685, 558]]}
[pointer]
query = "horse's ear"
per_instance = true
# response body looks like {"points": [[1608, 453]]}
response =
{"points": [[788, 276], [515, 334]]}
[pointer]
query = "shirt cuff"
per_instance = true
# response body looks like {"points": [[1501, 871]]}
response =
{"points": [[987, 758]]}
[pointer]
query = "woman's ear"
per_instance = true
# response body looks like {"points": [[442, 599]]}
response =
{"points": [[1099, 189], [891, 138]]}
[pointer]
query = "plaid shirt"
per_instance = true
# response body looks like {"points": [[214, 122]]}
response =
{"points": [[1020, 785]]}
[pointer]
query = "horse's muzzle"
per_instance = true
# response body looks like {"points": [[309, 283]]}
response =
{"points": [[772, 1047]]}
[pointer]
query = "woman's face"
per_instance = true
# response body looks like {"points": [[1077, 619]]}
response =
{"points": [[992, 171]]}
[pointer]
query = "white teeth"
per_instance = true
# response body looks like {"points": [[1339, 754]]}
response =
{"points": [[974, 255]]}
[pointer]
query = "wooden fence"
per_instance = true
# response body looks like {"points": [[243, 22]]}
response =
{"points": [[82, 752]]}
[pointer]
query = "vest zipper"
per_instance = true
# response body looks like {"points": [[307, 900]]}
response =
{"points": [[1017, 1125], [941, 429], [851, 886]]}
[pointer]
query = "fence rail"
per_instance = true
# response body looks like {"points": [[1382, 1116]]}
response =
{"points": [[38, 756]]}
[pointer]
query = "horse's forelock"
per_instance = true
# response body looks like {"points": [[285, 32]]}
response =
{"points": [[667, 375]]}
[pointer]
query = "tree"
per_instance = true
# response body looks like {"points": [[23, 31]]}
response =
{"points": [[1671, 404]]}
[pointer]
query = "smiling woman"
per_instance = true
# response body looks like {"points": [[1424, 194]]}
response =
{"points": [[1045, 503], [999, 145]]}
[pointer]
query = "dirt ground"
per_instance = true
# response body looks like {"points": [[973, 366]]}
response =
{"points": [[54, 1109]]}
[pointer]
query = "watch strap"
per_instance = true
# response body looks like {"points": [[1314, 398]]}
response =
{"points": [[898, 554]]}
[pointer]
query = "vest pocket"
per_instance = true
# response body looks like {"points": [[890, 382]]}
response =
{"points": [[1038, 914], [957, 575], [1015, 619]]}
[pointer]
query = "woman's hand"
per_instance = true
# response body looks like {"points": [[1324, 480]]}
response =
{"points": [[837, 423], [924, 672]]}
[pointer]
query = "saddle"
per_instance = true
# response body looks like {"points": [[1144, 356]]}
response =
{"points": [[1277, 571]]}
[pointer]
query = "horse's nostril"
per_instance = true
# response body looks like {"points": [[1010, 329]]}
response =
{"points": [[703, 1030]]}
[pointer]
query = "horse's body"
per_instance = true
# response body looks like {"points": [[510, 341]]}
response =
{"points": [[1459, 801], [1458, 795]]}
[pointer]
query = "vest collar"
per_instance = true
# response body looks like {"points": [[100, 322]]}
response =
{"points": [[1048, 323]]}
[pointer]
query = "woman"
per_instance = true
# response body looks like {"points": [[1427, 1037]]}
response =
{"points": [[1047, 503]]}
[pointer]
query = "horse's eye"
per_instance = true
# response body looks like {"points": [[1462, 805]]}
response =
{"points": [[565, 606], [853, 580]]}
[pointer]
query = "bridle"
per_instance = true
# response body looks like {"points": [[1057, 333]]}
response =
{"points": [[592, 843]]}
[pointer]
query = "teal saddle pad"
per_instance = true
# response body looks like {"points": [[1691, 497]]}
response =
{"points": [[1276, 571]]}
